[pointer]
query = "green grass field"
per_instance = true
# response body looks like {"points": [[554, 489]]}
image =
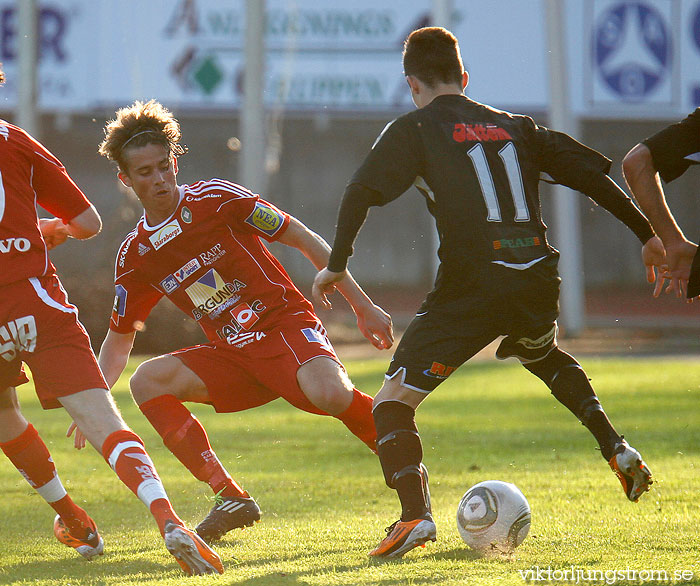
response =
{"points": [[325, 504]]}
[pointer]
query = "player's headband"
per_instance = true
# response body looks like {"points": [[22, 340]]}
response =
{"points": [[133, 136]]}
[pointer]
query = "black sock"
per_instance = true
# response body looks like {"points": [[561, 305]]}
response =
{"points": [[573, 390], [570, 386]]}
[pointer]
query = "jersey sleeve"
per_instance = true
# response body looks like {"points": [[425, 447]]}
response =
{"points": [[676, 147], [394, 162], [581, 168], [566, 160], [133, 302], [246, 212], [56, 192]]}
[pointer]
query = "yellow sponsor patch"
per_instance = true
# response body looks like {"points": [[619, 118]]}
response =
{"points": [[265, 219]]}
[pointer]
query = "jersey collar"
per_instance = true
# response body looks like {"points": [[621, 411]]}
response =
{"points": [[181, 191]]}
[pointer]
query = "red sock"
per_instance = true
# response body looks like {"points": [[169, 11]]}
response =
{"points": [[31, 457], [358, 419], [185, 437], [125, 453]]}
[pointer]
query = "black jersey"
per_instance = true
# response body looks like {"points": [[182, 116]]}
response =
{"points": [[676, 147], [479, 170]]}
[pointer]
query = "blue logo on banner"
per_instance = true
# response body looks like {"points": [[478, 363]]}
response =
{"points": [[695, 31], [632, 49]]}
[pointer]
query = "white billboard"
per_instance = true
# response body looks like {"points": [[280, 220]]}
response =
{"points": [[635, 58]]}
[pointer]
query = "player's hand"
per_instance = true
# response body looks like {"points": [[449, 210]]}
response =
{"points": [[79, 441], [324, 285], [54, 231], [679, 258], [375, 325], [654, 259]]}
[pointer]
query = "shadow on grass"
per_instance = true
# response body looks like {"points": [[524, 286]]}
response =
{"points": [[103, 570]]}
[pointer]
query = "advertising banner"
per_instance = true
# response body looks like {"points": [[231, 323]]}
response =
{"points": [[627, 58]]}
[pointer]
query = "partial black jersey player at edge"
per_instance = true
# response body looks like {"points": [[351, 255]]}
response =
{"points": [[666, 155], [478, 169]]}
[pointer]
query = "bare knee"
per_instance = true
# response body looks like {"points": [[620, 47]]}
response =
{"points": [[333, 397], [152, 379], [326, 385], [166, 375]]}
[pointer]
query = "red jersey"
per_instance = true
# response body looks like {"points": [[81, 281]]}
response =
{"points": [[209, 260], [30, 175]]}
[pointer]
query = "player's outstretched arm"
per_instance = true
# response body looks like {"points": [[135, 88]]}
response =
{"points": [[645, 184], [374, 323], [114, 354]]}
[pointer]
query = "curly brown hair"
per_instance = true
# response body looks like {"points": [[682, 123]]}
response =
{"points": [[140, 124]]}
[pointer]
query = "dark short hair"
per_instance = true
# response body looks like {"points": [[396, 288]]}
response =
{"points": [[432, 55]]}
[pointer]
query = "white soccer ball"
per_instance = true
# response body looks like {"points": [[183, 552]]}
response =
{"points": [[493, 516]]}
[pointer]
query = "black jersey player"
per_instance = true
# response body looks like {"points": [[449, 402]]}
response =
{"points": [[667, 154], [478, 169]]}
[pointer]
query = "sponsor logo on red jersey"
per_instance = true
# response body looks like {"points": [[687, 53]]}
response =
{"points": [[211, 295], [190, 268], [479, 133], [16, 244], [165, 234], [265, 219], [201, 197], [125, 248], [244, 315], [240, 340], [212, 255], [169, 284]]}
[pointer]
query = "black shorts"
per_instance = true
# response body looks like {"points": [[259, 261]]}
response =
{"points": [[452, 327]]}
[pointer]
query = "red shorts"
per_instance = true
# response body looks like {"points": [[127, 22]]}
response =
{"points": [[259, 367], [40, 328]]}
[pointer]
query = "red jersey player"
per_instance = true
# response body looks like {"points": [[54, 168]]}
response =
{"points": [[39, 327], [201, 245]]}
